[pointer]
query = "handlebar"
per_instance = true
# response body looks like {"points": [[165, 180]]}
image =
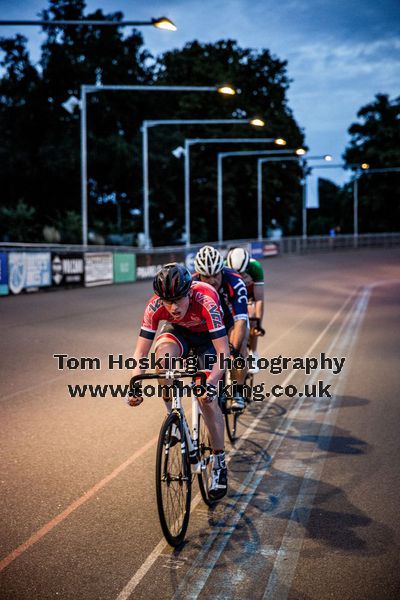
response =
{"points": [[169, 375]]}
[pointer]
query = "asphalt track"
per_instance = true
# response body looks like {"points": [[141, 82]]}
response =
{"points": [[313, 507]]}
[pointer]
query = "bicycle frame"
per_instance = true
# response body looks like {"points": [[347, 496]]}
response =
{"points": [[192, 437]]}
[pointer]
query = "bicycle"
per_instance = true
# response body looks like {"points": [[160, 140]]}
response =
{"points": [[232, 415], [179, 451]]}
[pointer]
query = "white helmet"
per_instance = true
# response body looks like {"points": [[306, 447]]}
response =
{"points": [[208, 261], [238, 259]]}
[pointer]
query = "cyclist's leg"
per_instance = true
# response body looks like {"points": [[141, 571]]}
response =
{"points": [[253, 339], [239, 375], [214, 421], [212, 413], [172, 344]]}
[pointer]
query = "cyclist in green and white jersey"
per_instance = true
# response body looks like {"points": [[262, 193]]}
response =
{"points": [[252, 274]]}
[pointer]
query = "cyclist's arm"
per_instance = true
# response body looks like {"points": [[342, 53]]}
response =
{"points": [[221, 346], [142, 349], [238, 334], [240, 313]]}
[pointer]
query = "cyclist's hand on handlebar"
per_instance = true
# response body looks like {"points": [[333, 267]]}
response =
{"points": [[235, 353], [259, 331], [211, 393], [134, 396]]}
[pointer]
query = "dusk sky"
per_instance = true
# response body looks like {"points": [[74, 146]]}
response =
{"points": [[340, 53]]}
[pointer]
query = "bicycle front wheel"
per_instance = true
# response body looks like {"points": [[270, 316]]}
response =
{"points": [[173, 480]]}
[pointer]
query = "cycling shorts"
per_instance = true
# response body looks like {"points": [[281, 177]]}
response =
{"points": [[199, 342]]}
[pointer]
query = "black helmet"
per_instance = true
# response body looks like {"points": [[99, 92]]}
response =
{"points": [[172, 281]]}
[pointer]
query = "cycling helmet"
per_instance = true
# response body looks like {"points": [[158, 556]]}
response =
{"points": [[208, 261], [172, 281], [238, 259]]}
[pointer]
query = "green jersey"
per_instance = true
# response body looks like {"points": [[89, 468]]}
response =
{"points": [[253, 275]]}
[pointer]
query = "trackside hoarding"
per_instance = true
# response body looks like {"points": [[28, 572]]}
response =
{"points": [[68, 268], [124, 267], [98, 268], [28, 271], [149, 264], [3, 274]]}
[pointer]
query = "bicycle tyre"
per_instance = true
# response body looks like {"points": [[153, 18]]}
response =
{"points": [[205, 457], [173, 482], [231, 417], [249, 380]]}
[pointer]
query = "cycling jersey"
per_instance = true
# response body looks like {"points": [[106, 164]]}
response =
{"points": [[203, 315], [253, 275], [233, 296]]}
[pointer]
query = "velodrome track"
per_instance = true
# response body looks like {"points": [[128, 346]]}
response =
{"points": [[313, 507]]}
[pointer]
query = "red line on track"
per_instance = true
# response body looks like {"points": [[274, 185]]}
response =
{"points": [[38, 535]]}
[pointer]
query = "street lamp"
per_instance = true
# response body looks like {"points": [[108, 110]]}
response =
{"points": [[191, 142], [260, 162], [161, 23], [359, 168], [87, 89], [364, 167], [177, 152], [164, 23], [221, 156]]}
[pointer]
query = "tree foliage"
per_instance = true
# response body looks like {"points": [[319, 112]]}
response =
{"points": [[376, 140], [40, 151]]}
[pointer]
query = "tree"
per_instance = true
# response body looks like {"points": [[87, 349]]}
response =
{"points": [[40, 153], [376, 141], [262, 83], [18, 223]]}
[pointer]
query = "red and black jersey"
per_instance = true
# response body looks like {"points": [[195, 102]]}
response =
{"points": [[203, 315]]}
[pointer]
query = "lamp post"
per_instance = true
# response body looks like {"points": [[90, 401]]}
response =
{"points": [[355, 195], [360, 169], [221, 156], [260, 162], [191, 142], [364, 168], [161, 23], [145, 152], [87, 89]]}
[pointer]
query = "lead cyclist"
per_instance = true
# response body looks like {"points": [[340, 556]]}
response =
{"points": [[194, 321]]}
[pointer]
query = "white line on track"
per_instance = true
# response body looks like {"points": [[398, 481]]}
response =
{"points": [[150, 560], [195, 579], [281, 576]]}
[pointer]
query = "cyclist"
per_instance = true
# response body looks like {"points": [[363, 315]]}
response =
{"points": [[253, 275], [209, 266], [194, 321]]}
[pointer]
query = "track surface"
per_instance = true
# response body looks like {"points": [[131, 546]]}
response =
{"points": [[313, 507]]}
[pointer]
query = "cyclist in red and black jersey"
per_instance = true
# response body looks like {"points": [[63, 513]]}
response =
{"points": [[194, 320], [232, 292]]}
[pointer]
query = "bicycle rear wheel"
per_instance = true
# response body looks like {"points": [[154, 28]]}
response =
{"points": [[173, 480], [249, 380], [231, 416], [205, 455], [231, 422]]}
